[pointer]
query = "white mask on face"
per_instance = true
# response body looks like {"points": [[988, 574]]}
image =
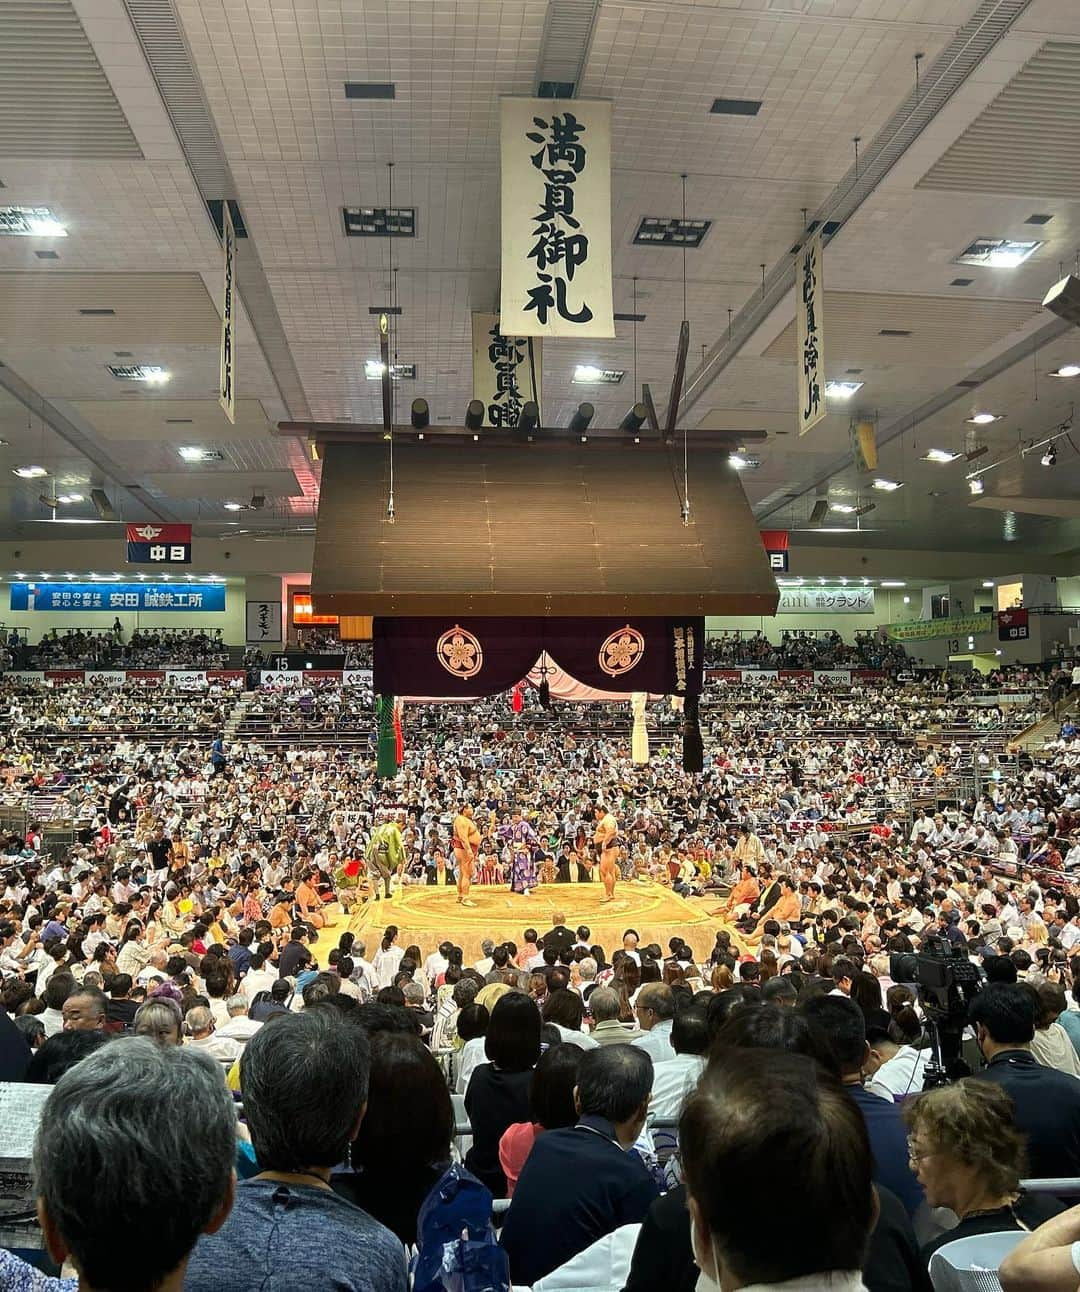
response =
{"points": [[706, 1282]]}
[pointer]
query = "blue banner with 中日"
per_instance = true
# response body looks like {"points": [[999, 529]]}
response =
{"points": [[117, 596]]}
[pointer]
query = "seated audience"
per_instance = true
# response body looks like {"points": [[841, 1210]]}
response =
{"points": [[584, 1181], [1046, 1102], [498, 1093], [757, 1117], [551, 1107], [114, 1157], [969, 1157], [304, 1079], [403, 1145]]}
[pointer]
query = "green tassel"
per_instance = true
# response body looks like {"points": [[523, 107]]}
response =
{"points": [[386, 750]]}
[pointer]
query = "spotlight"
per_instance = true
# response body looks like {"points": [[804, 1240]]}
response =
{"points": [[474, 415], [102, 505], [1049, 458], [634, 419], [867, 506], [1063, 299], [976, 486], [529, 416], [420, 414], [581, 419]]}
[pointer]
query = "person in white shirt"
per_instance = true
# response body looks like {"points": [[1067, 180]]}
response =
{"points": [[259, 977], [239, 1028], [654, 1009], [200, 1027], [484, 964], [675, 1079], [896, 1067], [438, 962]]}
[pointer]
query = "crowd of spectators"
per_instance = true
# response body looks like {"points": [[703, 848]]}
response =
{"points": [[183, 648], [192, 912], [812, 648]]}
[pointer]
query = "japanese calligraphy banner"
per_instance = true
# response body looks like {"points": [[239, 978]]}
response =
{"points": [[809, 327], [226, 383], [826, 601], [556, 217], [117, 596], [924, 629], [149, 544], [506, 370], [263, 622]]}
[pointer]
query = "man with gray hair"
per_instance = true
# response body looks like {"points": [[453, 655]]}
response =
{"points": [[305, 1083], [202, 1035], [607, 1030], [239, 1028], [117, 1195], [484, 965]]}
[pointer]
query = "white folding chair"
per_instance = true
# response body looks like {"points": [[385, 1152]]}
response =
{"points": [[971, 1264]]}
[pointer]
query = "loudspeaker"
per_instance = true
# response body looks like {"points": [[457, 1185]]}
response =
{"points": [[1063, 299], [864, 445]]}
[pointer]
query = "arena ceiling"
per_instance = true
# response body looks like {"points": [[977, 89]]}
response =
{"points": [[126, 119]]}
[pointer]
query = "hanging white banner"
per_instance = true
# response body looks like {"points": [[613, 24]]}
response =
{"points": [[226, 385], [506, 370], [110, 678], [826, 601], [268, 677], [263, 622], [809, 327], [556, 217], [357, 677]]}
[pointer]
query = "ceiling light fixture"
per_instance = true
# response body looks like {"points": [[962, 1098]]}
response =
{"points": [[30, 222], [888, 486], [1067, 370], [1049, 457], [976, 486], [70, 497], [373, 370], [737, 461], [892, 583], [940, 455], [988, 583], [587, 374], [844, 508], [29, 472], [842, 389], [233, 506], [997, 253], [194, 453], [983, 419]]}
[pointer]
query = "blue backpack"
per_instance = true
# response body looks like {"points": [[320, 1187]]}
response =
{"points": [[458, 1251]]}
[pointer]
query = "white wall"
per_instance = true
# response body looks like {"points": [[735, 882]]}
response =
{"points": [[889, 608]]}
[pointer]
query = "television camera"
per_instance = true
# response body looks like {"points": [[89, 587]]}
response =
{"points": [[946, 981]]}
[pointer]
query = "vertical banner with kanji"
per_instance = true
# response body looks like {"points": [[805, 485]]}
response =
{"points": [[809, 325], [506, 370], [556, 217], [227, 382]]}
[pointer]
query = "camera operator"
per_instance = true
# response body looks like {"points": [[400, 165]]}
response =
{"points": [[1047, 1102]]}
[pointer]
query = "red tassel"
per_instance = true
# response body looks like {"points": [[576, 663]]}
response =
{"points": [[399, 738], [517, 703]]}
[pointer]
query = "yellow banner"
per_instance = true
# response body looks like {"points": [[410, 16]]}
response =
{"points": [[921, 629]]}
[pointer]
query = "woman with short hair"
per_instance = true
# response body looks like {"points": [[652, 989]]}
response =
{"points": [[968, 1155]]}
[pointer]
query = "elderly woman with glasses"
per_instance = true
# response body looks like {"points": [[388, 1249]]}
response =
{"points": [[968, 1156]]}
